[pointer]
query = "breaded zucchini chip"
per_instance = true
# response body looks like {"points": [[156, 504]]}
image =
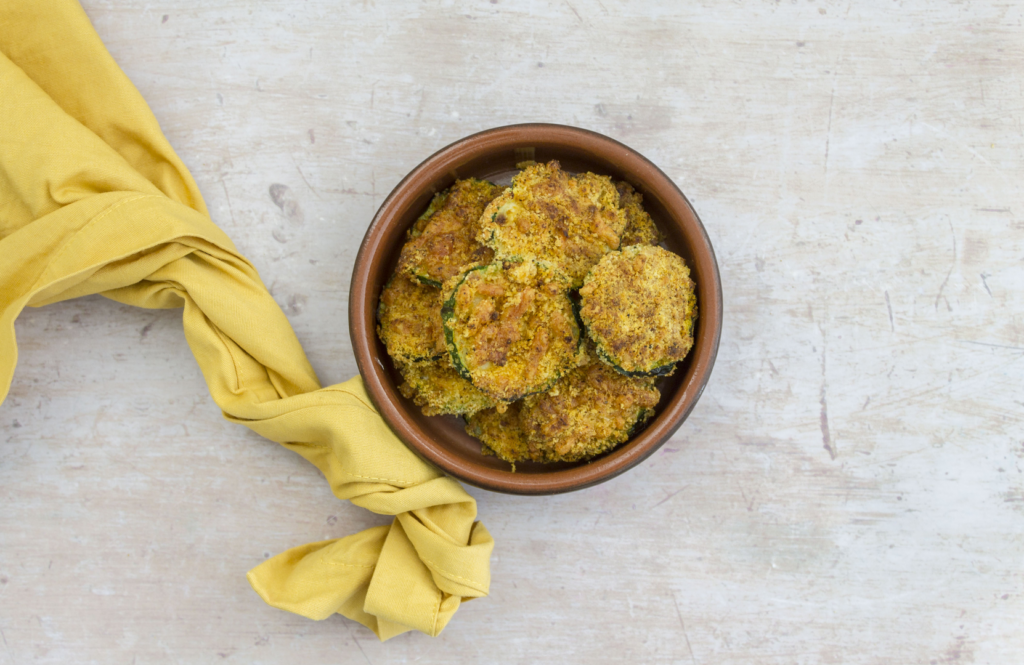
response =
{"points": [[638, 306], [502, 433], [409, 320], [550, 216], [438, 389], [510, 327], [424, 219], [591, 410], [640, 228], [443, 240]]}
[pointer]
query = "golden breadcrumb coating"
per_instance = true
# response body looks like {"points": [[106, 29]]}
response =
{"points": [[639, 306], [438, 389], [409, 320], [502, 433], [550, 216], [443, 240], [640, 228], [590, 411], [424, 219], [509, 327], [500, 344]]}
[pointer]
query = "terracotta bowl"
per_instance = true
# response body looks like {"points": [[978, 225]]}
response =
{"points": [[493, 155]]}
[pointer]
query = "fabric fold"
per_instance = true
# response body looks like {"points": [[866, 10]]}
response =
{"points": [[94, 200]]}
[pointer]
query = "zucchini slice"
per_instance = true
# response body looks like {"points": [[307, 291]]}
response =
{"points": [[638, 306], [510, 328], [438, 389], [424, 219], [409, 320], [502, 434], [640, 228], [590, 411], [548, 215], [448, 320], [443, 240], [663, 370]]}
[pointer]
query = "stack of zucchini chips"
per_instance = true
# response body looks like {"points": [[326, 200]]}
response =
{"points": [[542, 313]]}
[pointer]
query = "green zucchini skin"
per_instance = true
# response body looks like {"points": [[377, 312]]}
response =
{"points": [[427, 281], [421, 222], [576, 307], [447, 315], [541, 390], [662, 370], [641, 420], [453, 353], [447, 323], [438, 389], [662, 279]]}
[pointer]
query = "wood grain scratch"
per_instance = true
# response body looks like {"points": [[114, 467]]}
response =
{"points": [[578, 17], [995, 346], [682, 625], [984, 282], [945, 281], [227, 198], [828, 130], [670, 496], [826, 436]]}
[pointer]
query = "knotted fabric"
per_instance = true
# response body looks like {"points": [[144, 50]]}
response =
{"points": [[94, 200]]}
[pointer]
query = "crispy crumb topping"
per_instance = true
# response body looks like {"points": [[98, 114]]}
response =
{"points": [[438, 389], [409, 320], [443, 240], [502, 434], [510, 327], [547, 215], [500, 345], [639, 306], [640, 228], [590, 410]]}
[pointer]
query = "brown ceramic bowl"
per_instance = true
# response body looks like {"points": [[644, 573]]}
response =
{"points": [[493, 155]]}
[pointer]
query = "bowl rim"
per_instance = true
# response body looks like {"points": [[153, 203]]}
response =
{"points": [[661, 427]]}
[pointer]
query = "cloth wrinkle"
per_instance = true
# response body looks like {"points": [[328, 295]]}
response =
{"points": [[106, 211], [227, 347], [94, 200], [343, 563], [441, 570], [437, 610]]}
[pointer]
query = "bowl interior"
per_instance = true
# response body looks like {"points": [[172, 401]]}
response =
{"points": [[448, 444]]}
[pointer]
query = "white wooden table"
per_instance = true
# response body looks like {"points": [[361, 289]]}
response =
{"points": [[849, 489]]}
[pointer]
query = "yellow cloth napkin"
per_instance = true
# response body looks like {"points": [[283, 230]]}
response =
{"points": [[94, 200]]}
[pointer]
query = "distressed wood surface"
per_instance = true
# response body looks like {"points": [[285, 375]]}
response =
{"points": [[850, 488]]}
